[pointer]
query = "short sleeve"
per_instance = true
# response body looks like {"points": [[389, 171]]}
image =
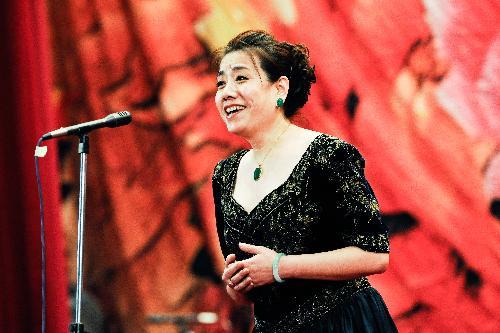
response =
{"points": [[349, 199], [217, 194]]}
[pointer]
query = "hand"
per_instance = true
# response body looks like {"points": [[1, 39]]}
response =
{"points": [[260, 266], [235, 276]]}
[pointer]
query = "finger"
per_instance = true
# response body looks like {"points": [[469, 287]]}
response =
{"points": [[250, 286], [243, 285], [231, 270], [230, 259], [249, 248], [239, 276]]}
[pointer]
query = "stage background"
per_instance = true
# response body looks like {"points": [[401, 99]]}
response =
{"points": [[413, 84]]}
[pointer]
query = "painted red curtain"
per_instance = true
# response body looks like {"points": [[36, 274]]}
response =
{"points": [[27, 112]]}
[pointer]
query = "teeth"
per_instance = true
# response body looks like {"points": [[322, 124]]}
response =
{"points": [[235, 108]]}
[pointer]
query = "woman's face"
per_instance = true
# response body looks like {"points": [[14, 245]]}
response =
{"points": [[245, 98]]}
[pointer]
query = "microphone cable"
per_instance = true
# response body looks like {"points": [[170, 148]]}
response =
{"points": [[42, 233]]}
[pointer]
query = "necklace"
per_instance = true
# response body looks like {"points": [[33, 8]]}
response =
{"points": [[257, 173]]}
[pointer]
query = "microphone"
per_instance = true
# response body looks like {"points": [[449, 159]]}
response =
{"points": [[112, 120]]}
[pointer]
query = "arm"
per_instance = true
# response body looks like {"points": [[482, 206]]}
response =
{"points": [[342, 264], [235, 278]]}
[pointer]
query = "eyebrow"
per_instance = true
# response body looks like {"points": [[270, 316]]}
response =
{"points": [[234, 68]]}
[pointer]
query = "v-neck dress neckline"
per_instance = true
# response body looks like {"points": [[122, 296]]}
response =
{"points": [[283, 184]]}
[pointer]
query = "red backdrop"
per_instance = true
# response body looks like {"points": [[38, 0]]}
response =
{"points": [[27, 113]]}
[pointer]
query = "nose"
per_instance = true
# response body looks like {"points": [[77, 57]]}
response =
{"points": [[229, 90]]}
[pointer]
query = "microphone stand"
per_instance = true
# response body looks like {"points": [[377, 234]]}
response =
{"points": [[83, 150]]}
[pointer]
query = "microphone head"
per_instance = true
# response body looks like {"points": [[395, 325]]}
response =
{"points": [[118, 119]]}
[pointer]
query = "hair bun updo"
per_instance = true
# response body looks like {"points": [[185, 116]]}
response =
{"points": [[277, 59]]}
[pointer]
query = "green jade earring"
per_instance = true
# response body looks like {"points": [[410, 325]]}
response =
{"points": [[280, 102]]}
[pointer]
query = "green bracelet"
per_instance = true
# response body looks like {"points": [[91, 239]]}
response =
{"points": [[276, 263]]}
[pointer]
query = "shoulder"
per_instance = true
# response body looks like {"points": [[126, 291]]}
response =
{"points": [[323, 143], [331, 149], [224, 167], [331, 145]]}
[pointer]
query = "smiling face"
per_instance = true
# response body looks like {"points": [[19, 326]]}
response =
{"points": [[245, 98]]}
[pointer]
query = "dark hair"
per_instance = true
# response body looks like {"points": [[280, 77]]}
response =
{"points": [[277, 59]]}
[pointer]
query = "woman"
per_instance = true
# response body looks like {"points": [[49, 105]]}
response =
{"points": [[297, 222]]}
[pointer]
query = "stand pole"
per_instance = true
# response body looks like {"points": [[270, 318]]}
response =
{"points": [[83, 150]]}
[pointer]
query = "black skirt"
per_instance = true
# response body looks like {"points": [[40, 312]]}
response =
{"points": [[364, 312]]}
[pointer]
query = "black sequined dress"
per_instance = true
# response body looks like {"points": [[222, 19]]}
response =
{"points": [[325, 204]]}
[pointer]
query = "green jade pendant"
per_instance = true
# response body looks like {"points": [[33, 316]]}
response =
{"points": [[256, 173]]}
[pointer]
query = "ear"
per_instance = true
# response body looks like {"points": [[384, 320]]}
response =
{"points": [[282, 85]]}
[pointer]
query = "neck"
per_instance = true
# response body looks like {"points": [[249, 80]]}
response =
{"points": [[265, 138]]}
